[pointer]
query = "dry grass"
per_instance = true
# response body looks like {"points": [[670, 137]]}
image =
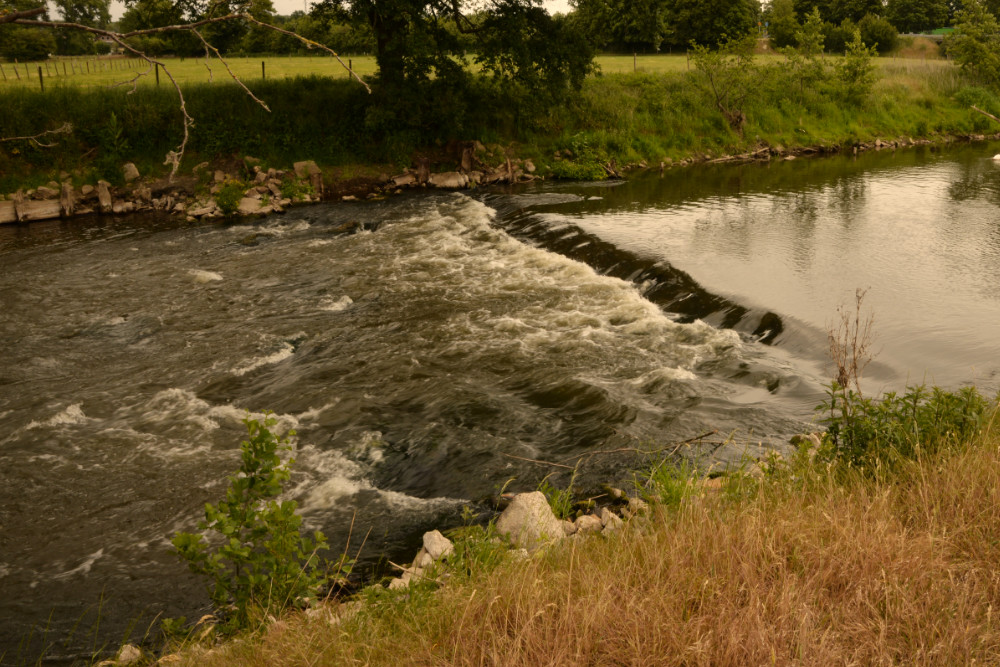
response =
{"points": [[805, 571]]}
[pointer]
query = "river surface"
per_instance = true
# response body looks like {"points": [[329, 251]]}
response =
{"points": [[424, 359]]}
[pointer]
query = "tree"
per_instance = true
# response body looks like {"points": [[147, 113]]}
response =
{"points": [[782, 23], [838, 11], [917, 15], [711, 22], [641, 25], [878, 33], [93, 13], [975, 44]]}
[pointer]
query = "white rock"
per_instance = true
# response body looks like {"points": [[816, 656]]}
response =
{"points": [[249, 206], [128, 654], [569, 528], [610, 520], [423, 559], [437, 545], [529, 522], [130, 171], [449, 179], [588, 523]]}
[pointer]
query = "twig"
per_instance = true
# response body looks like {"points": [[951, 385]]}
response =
{"points": [[621, 450], [226, 65], [547, 463]]}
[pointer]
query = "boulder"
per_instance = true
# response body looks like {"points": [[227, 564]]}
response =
{"points": [[437, 545], [249, 206], [87, 190], [104, 196], [67, 199], [305, 169], [610, 521], [588, 523], [451, 180], [220, 176], [529, 521], [128, 654], [404, 180], [130, 172], [7, 213], [45, 192]]}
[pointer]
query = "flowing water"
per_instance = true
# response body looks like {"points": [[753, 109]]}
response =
{"points": [[426, 358]]}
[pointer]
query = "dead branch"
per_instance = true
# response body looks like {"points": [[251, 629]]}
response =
{"points": [[173, 157], [579, 458], [988, 115], [65, 128]]}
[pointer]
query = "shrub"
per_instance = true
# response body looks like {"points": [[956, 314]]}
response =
{"points": [[229, 195], [877, 32], [260, 562], [856, 72], [872, 432]]}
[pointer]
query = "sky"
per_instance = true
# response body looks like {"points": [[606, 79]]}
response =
{"points": [[286, 7]]}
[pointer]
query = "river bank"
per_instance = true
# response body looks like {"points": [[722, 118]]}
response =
{"points": [[243, 188]]}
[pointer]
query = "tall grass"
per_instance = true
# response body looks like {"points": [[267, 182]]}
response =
{"points": [[806, 567]]}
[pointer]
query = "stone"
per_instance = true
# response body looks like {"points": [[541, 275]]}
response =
{"points": [[569, 528], [220, 176], [451, 180], [529, 166], [198, 167], [610, 520], [588, 523], [423, 560], [104, 196], [128, 654], [305, 169], [437, 545], [260, 178], [45, 192], [249, 206], [529, 521], [130, 172], [348, 198], [203, 210], [144, 195], [637, 506], [67, 200], [87, 190], [404, 180]]}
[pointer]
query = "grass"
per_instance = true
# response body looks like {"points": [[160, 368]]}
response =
{"points": [[811, 565], [103, 72]]}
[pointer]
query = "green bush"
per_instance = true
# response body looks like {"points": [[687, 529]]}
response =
{"points": [[871, 432], [259, 563], [878, 33], [229, 195]]}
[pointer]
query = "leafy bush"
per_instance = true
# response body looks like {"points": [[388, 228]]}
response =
{"points": [[865, 431], [260, 561], [877, 32], [975, 44], [856, 72], [229, 195]]}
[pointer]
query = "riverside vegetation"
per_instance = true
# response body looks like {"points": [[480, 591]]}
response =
{"points": [[728, 103], [876, 542]]}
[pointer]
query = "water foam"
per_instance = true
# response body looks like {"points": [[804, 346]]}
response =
{"points": [[337, 306], [286, 350], [70, 416], [204, 277]]}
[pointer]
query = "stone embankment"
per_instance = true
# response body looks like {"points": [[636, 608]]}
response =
{"points": [[255, 191]]}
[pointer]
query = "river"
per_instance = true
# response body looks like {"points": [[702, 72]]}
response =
{"points": [[423, 359]]}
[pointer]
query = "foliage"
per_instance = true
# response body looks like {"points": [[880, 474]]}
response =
{"points": [[260, 561], [729, 76], [856, 71], [670, 484], [228, 196], [113, 151], [975, 44], [879, 33], [623, 25], [587, 163], [836, 37], [20, 43], [560, 500], [871, 432], [917, 15], [711, 22], [838, 11], [782, 23], [803, 63]]}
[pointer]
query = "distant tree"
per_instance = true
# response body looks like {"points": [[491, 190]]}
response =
{"points": [[21, 43], [975, 44], [623, 25], [879, 33], [917, 15], [711, 22], [93, 13], [782, 23], [838, 11]]}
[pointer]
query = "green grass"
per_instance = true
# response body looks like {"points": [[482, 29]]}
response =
{"points": [[103, 72]]}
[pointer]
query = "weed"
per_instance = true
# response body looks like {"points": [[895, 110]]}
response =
{"points": [[229, 195], [262, 563], [561, 500]]}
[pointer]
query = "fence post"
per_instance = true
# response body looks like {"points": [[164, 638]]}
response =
{"points": [[64, 68], [3, 72], [157, 74], [41, 81], [87, 63], [16, 73], [263, 75], [350, 67]]}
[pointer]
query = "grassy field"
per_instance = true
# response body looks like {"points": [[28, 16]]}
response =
{"points": [[96, 72]]}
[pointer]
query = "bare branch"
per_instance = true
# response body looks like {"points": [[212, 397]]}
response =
{"points": [[66, 128], [226, 65], [174, 157]]}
